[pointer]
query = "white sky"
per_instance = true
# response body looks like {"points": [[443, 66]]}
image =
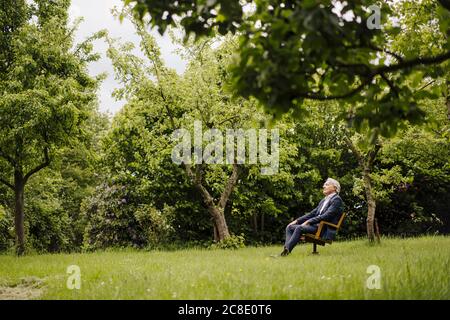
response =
{"points": [[97, 15]]}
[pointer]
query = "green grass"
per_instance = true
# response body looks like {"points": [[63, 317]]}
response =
{"points": [[415, 268]]}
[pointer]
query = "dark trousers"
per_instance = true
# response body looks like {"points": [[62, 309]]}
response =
{"points": [[294, 232]]}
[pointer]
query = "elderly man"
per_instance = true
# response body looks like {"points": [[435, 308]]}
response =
{"points": [[329, 209]]}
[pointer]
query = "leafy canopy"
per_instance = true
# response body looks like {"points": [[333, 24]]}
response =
{"points": [[291, 51], [47, 93]]}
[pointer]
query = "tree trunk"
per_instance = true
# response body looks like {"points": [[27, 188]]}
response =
{"points": [[19, 186], [448, 107], [366, 165], [215, 231], [217, 211], [262, 222], [217, 214], [220, 225], [448, 100], [377, 230], [371, 205], [255, 223]]}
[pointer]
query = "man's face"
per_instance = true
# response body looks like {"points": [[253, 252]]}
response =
{"points": [[328, 188]]}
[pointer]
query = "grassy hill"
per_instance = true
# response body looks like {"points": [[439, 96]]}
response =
{"points": [[414, 268]]}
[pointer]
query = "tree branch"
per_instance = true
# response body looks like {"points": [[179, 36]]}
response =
{"points": [[396, 56], [390, 84], [197, 181], [354, 66], [340, 96], [379, 71], [354, 150], [230, 186], [229, 119], [199, 172], [7, 158], [448, 99], [426, 85], [46, 163], [414, 62], [6, 183], [372, 154]]}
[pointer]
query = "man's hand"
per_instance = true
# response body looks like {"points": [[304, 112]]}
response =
{"points": [[293, 222], [305, 223]]}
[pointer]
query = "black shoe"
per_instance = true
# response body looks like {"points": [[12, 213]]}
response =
{"points": [[284, 253]]}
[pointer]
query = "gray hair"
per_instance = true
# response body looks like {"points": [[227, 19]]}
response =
{"points": [[334, 183]]}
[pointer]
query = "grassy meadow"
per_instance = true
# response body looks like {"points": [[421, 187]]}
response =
{"points": [[413, 268]]}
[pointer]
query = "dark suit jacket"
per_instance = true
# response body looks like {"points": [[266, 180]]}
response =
{"points": [[331, 213]]}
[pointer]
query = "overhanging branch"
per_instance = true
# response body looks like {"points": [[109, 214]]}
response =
{"points": [[395, 55], [412, 63], [342, 96], [380, 71]]}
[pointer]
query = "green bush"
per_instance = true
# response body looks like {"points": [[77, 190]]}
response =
{"points": [[48, 225], [233, 242], [6, 230], [115, 218], [155, 223]]}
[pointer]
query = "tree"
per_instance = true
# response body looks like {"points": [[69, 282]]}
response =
{"points": [[419, 157], [336, 139], [393, 168], [294, 51], [365, 161], [199, 95], [13, 14], [47, 95]]}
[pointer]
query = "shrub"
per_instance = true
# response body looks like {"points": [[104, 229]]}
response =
{"points": [[116, 219], [6, 230], [233, 242]]}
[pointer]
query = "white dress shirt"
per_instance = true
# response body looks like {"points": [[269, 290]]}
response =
{"points": [[325, 203]]}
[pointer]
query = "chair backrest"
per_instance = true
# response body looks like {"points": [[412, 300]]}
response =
{"points": [[338, 226], [341, 220]]}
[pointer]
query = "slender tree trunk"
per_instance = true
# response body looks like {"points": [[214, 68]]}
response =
{"points": [[20, 180], [19, 187], [448, 100], [371, 205], [366, 165], [262, 222], [255, 223], [448, 107]]}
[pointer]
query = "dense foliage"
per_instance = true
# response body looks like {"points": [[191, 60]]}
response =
{"points": [[47, 102], [297, 50], [81, 181]]}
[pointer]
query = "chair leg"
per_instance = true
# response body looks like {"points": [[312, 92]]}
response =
{"points": [[315, 249]]}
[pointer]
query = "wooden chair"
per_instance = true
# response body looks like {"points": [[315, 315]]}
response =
{"points": [[315, 239]]}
